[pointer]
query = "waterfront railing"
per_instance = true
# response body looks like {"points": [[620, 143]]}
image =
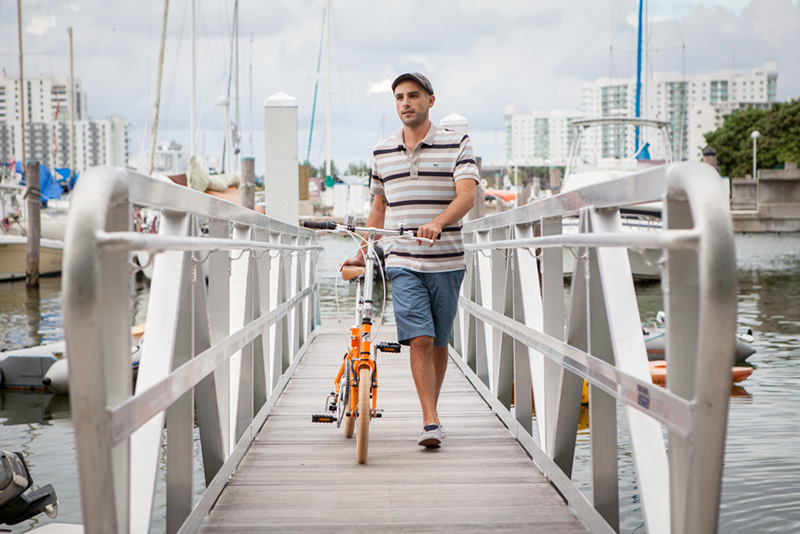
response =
{"points": [[232, 307], [525, 345]]}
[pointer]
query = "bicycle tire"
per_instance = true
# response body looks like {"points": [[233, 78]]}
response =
{"points": [[364, 408], [342, 401], [349, 420]]}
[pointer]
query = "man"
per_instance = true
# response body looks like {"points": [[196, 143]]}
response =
{"points": [[423, 178]]}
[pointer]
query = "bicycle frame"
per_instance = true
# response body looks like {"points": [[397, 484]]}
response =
{"points": [[359, 357], [360, 353]]}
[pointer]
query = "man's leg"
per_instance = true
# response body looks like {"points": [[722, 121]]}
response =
{"points": [[440, 357], [425, 370]]}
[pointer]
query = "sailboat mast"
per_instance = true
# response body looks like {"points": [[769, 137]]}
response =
{"points": [[193, 141], [251, 94], [316, 83], [21, 84], [71, 114], [236, 88], [328, 175], [158, 88], [638, 75]]}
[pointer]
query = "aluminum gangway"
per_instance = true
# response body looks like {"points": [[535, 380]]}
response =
{"points": [[233, 314]]}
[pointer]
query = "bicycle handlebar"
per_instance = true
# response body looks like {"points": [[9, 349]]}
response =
{"points": [[327, 225], [332, 225]]}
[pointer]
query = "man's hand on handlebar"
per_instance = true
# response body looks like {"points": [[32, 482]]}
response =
{"points": [[430, 231]]}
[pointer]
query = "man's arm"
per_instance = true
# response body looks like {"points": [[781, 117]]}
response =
{"points": [[377, 213], [375, 219], [465, 199]]}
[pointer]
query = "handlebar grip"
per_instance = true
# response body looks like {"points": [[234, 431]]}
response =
{"points": [[327, 225]]}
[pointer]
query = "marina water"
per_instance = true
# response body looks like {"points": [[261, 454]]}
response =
{"points": [[761, 492]]}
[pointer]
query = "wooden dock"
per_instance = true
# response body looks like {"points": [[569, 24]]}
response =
{"points": [[303, 477]]}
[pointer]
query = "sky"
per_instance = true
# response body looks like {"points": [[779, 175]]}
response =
{"points": [[479, 55]]}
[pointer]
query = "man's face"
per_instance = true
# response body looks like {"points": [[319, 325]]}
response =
{"points": [[412, 102]]}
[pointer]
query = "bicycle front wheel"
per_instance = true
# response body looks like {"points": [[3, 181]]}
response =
{"points": [[364, 408], [344, 388]]}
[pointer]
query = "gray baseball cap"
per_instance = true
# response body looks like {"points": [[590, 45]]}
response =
{"points": [[421, 79]]}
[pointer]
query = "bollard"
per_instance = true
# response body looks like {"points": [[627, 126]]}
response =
{"points": [[248, 189]]}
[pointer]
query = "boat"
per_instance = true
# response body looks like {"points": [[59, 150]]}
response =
{"points": [[658, 372], [614, 160], [23, 369], [655, 341], [13, 230], [17, 504], [45, 367], [583, 171], [13, 257]]}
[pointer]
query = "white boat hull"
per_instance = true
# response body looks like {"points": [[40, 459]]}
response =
{"points": [[644, 266], [13, 257]]}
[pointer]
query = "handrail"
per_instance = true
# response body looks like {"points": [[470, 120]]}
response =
{"points": [[227, 322], [513, 331]]}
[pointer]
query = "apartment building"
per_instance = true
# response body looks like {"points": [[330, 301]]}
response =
{"points": [[692, 104], [539, 137], [47, 125]]}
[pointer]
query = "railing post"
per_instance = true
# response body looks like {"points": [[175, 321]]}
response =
{"points": [[553, 325], [484, 284], [219, 276], [698, 500], [97, 324], [180, 416], [681, 283], [241, 363]]}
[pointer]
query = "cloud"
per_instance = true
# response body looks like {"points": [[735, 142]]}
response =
{"points": [[382, 87], [40, 24], [479, 54]]}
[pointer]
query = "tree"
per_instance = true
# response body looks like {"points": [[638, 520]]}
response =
{"points": [[779, 128], [358, 169], [320, 172]]}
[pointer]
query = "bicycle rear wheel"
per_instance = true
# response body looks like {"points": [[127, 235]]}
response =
{"points": [[364, 408]]}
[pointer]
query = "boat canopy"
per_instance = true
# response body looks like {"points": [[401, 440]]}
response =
{"points": [[50, 189]]}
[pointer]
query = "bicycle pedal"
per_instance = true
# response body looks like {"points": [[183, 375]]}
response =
{"points": [[323, 418], [388, 346], [377, 413]]}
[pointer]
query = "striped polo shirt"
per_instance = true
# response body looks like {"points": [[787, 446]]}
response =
{"points": [[418, 186]]}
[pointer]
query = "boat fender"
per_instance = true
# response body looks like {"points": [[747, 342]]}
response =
{"points": [[57, 378]]}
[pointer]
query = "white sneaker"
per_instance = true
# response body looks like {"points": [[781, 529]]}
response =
{"points": [[432, 436]]}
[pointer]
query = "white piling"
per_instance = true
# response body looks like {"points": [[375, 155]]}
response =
{"points": [[281, 176]]}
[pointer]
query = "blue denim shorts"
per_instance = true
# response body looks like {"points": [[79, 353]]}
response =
{"points": [[425, 304]]}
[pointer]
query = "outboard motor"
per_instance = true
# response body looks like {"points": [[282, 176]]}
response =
{"points": [[15, 479]]}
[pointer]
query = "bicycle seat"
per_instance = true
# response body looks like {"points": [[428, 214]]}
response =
{"points": [[351, 272]]}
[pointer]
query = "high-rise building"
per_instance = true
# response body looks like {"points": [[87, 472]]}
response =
{"points": [[47, 123], [692, 104], [538, 138]]}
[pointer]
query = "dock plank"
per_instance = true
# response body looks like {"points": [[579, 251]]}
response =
{"points": [[297, 476]]}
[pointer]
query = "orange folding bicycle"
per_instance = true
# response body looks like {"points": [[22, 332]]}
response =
{"points": [[354, 399]]}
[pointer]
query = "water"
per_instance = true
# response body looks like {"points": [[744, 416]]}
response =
{"points": [[761, 485]]}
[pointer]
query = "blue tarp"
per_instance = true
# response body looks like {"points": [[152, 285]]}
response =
{"points": [[644, 153], [62, 175], [49, 187]]}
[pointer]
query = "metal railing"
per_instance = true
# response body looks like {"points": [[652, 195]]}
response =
{"points": [[232, 307], [516, 338]]}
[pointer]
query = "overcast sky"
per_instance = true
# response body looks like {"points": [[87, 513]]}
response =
{"points": [[479, 55]]}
